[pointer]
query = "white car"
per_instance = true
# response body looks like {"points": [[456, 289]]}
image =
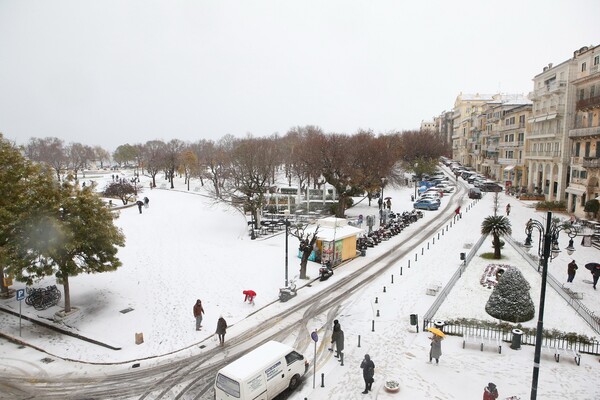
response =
{"points": [[445, 188]]}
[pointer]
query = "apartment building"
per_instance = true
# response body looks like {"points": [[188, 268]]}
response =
{"points": [[547, 148], [585, 134], [511, 142], [466, 109]]}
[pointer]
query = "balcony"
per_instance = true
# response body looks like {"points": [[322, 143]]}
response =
{"points": [[584, 132], [554, 87], [588, 104], [591, 162]]}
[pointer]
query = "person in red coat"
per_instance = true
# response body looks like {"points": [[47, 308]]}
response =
{"points": [[490, 392], [198, 311]]}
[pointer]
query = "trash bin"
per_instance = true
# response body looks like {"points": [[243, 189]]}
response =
{"points": [[363, 252], [439, 324], [516, 339], [414, 319]]}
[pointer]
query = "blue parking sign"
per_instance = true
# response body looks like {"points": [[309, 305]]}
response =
{"points": [[20, 294]]}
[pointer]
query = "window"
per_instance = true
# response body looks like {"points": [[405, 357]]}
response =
{"points": [[581, 93], [596, 60], [521, 137], [592, 91], [583, 67], [598, 149], [577, 149], [510, 154], [521, 120], [583, 174], [230, 386], [574, 174], [587, 149], [293, 356]]}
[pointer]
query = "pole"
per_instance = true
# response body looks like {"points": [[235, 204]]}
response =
{"points": [[287, 229], [20, 304], [540, 322], [315, 364]]}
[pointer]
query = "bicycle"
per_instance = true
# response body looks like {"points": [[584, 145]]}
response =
{"points": [[43, 298]]}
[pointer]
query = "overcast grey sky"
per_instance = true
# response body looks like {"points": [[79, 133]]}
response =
{"points": [[113, 72]]}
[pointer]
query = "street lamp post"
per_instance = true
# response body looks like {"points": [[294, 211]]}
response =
{"points": [[547, 250], [287, 231]]}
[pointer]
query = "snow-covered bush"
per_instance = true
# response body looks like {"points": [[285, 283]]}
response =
{"points": [[510, 300]]}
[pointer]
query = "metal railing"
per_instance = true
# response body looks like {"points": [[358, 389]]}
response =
{"points": [[588, 316], [455, 277]]}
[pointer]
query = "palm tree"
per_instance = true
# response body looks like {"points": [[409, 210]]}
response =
{"points": [[496, 225]]}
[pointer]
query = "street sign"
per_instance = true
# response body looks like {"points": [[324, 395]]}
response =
{"points": [[314, 336], [20, 294]]}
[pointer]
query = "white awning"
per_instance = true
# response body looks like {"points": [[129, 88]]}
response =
{"points": [[509, 168]]}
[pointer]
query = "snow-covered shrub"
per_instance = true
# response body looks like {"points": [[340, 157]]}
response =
{"points": [[510, 300]]}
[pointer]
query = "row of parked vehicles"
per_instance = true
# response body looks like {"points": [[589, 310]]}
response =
{"points": [[479, 182], [438, 185]]}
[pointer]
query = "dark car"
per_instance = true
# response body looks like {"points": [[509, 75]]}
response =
{"points": [[426, 204], [490, 187], [474, 193]]}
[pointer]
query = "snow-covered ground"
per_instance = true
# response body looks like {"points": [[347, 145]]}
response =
{"points": [[185, 247]]}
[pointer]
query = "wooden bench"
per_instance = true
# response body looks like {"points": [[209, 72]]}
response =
{"points": [[482, 340]]}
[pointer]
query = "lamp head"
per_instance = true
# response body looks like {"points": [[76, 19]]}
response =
{"points": [[528, 244], [570, 249]]}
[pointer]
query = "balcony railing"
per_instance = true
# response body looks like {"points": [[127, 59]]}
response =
{"points": [[543, 154], [591, 162], [549, 89], [587, 104], [584, 132]]}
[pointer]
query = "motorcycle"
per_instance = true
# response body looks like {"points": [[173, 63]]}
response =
{"points": [[288, 292], [325, 272]]}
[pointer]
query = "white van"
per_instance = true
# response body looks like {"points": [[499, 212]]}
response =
{"points": [[261, 374]]}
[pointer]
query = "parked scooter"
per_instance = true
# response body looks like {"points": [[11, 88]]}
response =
{"points": [[325, 271], [288, 292]]}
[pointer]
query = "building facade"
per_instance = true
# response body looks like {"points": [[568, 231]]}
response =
{"points": [[547, 144], [585, 134]]}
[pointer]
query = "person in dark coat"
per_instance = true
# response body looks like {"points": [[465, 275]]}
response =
{"points": [[368, 368], [339, 346], [571, 270], [221, 330], [146, 202], [596, 275], [139, 204], [336, 332], [436, 348], [490, 392], [198, 311]]}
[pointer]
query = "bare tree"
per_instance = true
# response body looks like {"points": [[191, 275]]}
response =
{"points": [[78, 156], [307, 244], [101, 155], [188, 164], [171, 159], [152, 156], [49, 151]]}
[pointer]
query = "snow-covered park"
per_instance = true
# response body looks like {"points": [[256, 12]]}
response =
{"points": [[185, 246]]}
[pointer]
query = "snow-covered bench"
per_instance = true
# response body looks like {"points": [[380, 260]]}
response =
{"points": [[482, 340], [433, 288], [557, 351], [573, 294]]}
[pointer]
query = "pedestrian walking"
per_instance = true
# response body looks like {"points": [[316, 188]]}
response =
{"points": [[571, 270], [380, 202], [368, 368], [490, 392], [146, 202], [339, 347], [198, 311], [596, 275], [436, 348], [336, 331], [508, 209], [139, 204], [221, 330]]}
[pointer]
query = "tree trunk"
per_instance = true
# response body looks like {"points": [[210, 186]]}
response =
{"points": [[65, 280], [497, 254], [303, 262], [3, 288]]}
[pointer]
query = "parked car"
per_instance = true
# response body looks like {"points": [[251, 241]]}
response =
{"points": [[474, 193], [426, 204], [490, 187], [445, 188]]}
